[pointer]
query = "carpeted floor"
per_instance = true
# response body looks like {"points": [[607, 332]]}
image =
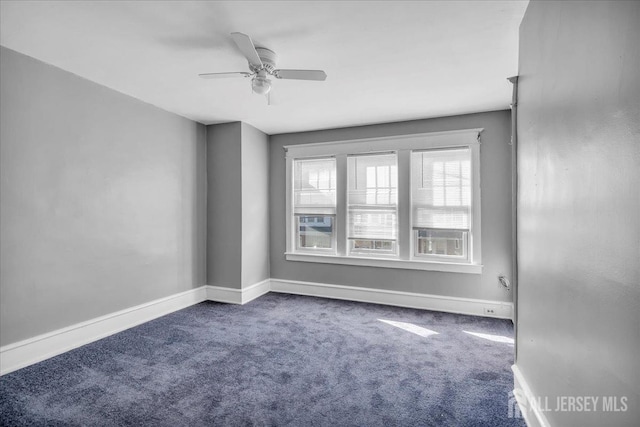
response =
{"points": [[279, 360]]}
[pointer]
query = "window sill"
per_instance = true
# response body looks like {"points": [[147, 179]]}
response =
{"points": [[450, 267]]}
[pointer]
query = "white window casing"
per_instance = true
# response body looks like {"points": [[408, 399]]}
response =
{"points": [[433, 205]]}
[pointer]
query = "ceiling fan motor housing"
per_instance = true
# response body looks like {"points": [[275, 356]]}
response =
{"points": [[268, 58]]}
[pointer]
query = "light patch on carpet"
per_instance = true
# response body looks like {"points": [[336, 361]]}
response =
{"points": [[496, 338], [410, 327]]}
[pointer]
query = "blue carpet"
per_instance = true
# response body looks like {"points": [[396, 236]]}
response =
{"points": [[279, 360]]}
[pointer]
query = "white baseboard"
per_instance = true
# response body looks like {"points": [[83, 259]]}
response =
{"points": [[527, 402], [476, 307], [222, 294], [238, 296], [255, 291], [27, 352]]}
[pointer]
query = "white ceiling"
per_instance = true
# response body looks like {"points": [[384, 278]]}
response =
{"points": [[385, 60]]}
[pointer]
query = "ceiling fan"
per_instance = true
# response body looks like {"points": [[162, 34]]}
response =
{"points": [[262, 64]]}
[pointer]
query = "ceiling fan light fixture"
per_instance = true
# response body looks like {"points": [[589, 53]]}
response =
{"points": [[261, 85]]}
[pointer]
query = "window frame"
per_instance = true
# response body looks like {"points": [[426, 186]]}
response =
{"points": [[467, 257], [296, 218], [403, 145]]}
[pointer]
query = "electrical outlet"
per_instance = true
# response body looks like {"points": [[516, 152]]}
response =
{"points": [[489, 311]]}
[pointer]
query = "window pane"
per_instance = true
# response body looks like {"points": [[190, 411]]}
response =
{"points": [[441, 188], [451, 243], [372, 202], [376, 246], [314, 186], [315, 232]]}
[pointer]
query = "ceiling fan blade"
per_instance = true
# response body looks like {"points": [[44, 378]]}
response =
{"points": [[224, 75], [247, 48], [300, 74]]}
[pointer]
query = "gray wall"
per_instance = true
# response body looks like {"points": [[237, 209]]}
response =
{"points": [[255, 205], [496, 213], [101, 200], [579, 204], [224, 205], [238, 200]]}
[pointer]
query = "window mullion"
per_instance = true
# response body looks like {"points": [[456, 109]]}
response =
{"points": [[404, 204], [341, 204]]}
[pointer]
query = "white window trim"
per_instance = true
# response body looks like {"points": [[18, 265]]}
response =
{"points": [[403, 146]]}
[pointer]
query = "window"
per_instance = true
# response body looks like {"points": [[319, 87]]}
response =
{"points": [[314, 204], [401, 202], [372, 204], [441, 202]]}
